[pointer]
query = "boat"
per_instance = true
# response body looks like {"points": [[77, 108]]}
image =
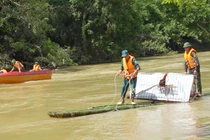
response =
{"points": [[20, 77]]}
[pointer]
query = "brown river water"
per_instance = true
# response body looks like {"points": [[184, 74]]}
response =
{"points": [[24, 106]]}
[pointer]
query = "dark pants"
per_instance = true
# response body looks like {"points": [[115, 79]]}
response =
{"points": [[197, 79], [125, 86]]}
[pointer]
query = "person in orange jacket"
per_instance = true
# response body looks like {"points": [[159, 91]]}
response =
{"points": [[192, 65], [130, 67], [16, 65], [3, 70], [36, 67]]}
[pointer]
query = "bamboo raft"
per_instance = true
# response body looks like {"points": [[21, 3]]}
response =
{"points": [[100, 109]]}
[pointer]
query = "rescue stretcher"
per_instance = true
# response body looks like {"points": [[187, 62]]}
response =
{"points": [[169, 87]]}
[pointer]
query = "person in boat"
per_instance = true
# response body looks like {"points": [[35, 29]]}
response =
{"points": [[192, 65], [3, 70], [130, 67], [36, 67], [17, 65]]}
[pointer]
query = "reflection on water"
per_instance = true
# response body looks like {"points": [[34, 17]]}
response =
{"points": [[24, 108]]}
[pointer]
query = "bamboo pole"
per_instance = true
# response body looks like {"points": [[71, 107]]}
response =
{"points": [[100, 109]]}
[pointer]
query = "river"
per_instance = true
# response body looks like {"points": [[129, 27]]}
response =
{"points": [[24, 107]]}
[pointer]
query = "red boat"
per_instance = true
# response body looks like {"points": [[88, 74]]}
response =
{"points": [[19, 77]]}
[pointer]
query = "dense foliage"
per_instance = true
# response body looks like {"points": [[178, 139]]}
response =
{"points": [[69, 32]]}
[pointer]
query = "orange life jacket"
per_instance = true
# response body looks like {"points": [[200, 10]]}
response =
{"points": [[36, 67], [128, 67], [3, 71], [189, 59], [18, 63]]}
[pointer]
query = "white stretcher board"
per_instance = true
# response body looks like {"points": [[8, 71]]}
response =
{"points": [[178, 87]]}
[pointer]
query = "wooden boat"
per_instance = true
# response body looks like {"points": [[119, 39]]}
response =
{"points": [[19, 77]]}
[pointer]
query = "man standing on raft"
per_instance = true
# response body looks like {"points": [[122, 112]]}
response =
{"points": [[192, 64], [130, 67]]}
